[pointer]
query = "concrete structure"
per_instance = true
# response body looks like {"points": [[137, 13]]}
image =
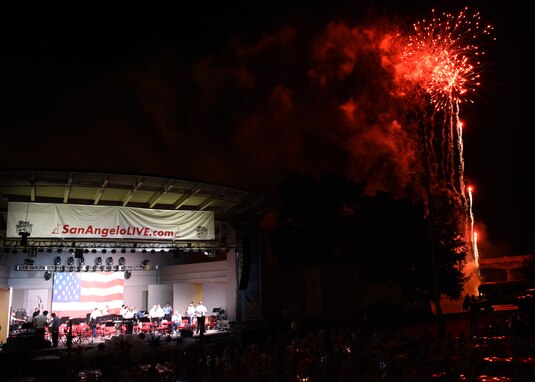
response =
{"points": [[179, 271]]}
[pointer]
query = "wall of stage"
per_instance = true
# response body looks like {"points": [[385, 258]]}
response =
{"points": [[211, 282]]}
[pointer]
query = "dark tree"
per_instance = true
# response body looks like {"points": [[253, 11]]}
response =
{"points": [[329, 220]]}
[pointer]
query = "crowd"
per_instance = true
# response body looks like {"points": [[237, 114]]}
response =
{"points": [[504, 348]]}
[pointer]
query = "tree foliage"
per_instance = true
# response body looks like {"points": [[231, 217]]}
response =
{"points": [[329, 220]]}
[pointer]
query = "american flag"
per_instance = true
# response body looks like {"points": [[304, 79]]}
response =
{"points": [[77, 294]]}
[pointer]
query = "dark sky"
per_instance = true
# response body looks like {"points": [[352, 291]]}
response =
{"points": [[244, 95]]}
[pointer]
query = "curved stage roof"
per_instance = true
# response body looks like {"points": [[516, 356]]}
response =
{"points": [[227, 204]]}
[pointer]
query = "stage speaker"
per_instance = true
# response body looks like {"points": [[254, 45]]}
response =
{"points": [[244, 258]]}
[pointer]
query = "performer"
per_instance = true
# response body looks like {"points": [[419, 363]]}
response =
{"points": [[93, 321], [40, 323], [176, 318], [191, 314], [167, 311], [55, 322], [200, 313]]}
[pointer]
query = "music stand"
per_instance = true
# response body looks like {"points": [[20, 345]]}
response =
{"points": [[27, 325], [144, 319], [64, 320], [216, 310]]}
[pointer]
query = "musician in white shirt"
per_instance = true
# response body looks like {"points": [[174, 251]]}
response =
{"points": [[176, 318], [200, 313], [191, 314]]}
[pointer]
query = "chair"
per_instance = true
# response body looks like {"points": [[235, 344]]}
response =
{"points": [[183, 324], [147, 327], [108, 329], [165, 327]]}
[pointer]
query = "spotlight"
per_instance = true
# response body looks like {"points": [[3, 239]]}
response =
{"points": [[123, 250], [86, 250], [71, 250], [57, 260], [109, 260], [70, 261], [82, 260], [113, 250], [209, 253], [93, 250], [152, 251], [104, 250], [127, 274], [144, 251], [122, 260], [98, 260], [59, 250], [132, 250], [145, 262], [48, 275], [49, 250]]}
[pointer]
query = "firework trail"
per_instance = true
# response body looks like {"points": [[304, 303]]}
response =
{"points": [[441, 62], [472, 235]]}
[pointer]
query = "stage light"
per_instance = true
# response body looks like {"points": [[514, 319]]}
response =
{"points": [[127, 274], [70, 261], [28, 261], [57, 260], [132, 250], [98, 260], [145, 262], [122, 260], [104, 250], [113, 250], [93, 250], [109, 260], [86, 250], [144, 251], [48, 275], [59, 250], [123, 250], [82, 260]]}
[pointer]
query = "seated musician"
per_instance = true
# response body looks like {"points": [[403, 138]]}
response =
{"points": [[176, 318]]}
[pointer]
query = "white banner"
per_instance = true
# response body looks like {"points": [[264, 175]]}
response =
{"points": [[69, 221]]}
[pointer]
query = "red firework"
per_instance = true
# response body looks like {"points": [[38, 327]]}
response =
{"points": [[442, 58]]}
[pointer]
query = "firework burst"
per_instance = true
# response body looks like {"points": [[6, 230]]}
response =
{"points": [[443, 58], [441, 61]]}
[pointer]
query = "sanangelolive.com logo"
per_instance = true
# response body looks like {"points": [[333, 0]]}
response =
{"points": [[24, 227], [202, 232]]}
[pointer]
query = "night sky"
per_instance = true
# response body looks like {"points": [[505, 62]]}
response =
{"points": [[243, 95]]}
